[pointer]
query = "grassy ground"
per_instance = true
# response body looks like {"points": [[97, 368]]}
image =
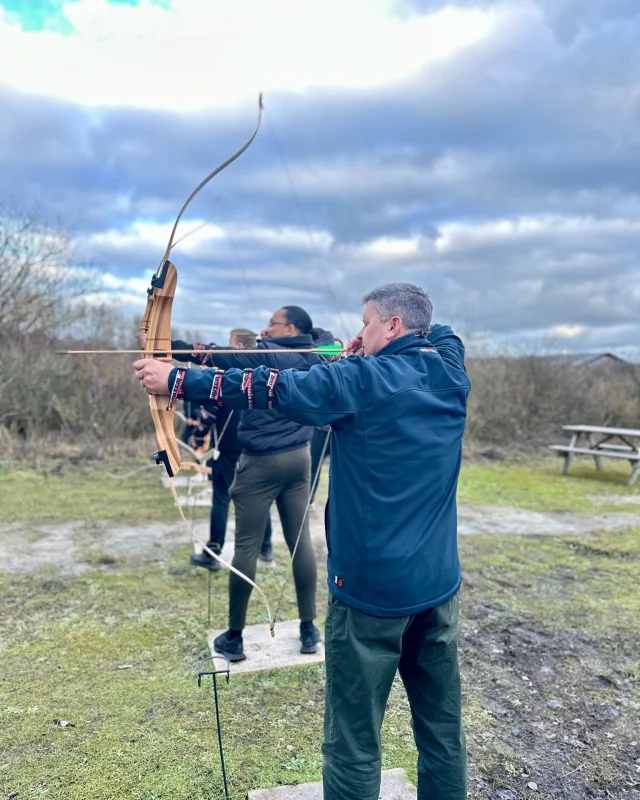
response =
{"points": [[550, 652], [62, 491], [539, 486]]}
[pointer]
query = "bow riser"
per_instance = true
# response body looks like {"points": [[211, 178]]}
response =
{"points": [[156, 324]]}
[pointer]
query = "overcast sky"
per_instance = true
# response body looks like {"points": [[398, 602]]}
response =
{"points": [[488, 151]]}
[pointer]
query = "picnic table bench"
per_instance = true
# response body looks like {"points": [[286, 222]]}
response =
{"points": [[599, 441]]}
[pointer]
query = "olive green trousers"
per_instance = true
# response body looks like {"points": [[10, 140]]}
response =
{"points": [[363, 654]]}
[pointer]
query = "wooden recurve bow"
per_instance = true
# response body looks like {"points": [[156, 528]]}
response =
{"points": [[156, 326]]}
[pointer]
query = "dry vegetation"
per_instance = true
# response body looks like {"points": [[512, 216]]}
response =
{"points": [[46, 303], [526, 400], [514, 402]]}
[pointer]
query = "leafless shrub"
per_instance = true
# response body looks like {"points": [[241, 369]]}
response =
{"points": [[43, 307], [93, 403], [528, 399], [42, 287]]}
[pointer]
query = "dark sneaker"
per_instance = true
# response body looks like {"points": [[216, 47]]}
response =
{"points": [[309, 638], [266, 554], [205, 560], [229, 648]]}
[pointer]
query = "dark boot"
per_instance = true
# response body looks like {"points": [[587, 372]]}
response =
{"points": [[205, 560], [266, 553], [309, 638], [231, 649]]}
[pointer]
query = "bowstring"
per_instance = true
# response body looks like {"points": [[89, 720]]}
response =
{"points": [[206, 549], [320, 255], [189, 233], [217, 439], [304, 519]]}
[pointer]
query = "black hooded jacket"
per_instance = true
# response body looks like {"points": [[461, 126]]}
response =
{"points": [[262, 432]]}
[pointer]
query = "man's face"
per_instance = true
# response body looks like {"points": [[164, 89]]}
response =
{"points": [[278, 325], [233, 342], [376, 334]]}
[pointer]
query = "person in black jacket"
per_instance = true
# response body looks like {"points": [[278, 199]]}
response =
{"points": [[274, 466], [223, 425], [190, 411]]}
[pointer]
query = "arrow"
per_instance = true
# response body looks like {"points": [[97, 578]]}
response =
{"points": [[324, 350]]}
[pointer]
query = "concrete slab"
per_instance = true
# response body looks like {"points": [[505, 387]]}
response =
{"points": [[395, 786], [202, 499], [264, 652], [181, 481]]}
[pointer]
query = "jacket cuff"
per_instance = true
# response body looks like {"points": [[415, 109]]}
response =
{"points": [[176, 379], [235, 388]]}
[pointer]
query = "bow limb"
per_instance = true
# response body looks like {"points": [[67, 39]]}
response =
{"points": [[156, 324], [211, 175]]}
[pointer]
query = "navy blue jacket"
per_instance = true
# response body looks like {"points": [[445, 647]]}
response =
{"points": [[263, 431], [397, 419]]}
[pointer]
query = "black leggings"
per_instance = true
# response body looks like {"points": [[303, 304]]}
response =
{"points": [[259, 481]]}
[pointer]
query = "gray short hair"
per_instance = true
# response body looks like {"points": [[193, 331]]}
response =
{"points": [[404, 300]]}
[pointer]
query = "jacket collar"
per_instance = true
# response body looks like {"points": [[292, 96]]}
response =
{"points": [[298, 342], [407, 342]]}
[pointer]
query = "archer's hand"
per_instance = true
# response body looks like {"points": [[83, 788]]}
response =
{"points": [[153, 374], [355, 347]]}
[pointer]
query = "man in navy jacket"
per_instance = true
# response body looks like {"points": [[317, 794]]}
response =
{"points": [[397, 408]]}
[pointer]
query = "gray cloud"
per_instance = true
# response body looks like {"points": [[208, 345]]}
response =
{"points": [[567, 19], [534, 131]]}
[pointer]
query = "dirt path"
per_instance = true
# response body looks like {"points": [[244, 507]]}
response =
{"points": [[78, 546], [502, 519]]}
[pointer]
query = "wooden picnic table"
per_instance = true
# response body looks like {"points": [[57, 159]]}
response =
{"points": [[601, 441]]}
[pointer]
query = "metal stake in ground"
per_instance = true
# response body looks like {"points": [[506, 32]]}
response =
{"points": [[209, 601], [214, 673]]}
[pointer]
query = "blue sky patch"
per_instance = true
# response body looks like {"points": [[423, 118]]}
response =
{"points": [[37, 15]]}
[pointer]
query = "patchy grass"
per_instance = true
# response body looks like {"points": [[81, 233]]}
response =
{"points": [[551, 636], [115, 653], [539, 486], [61, 490]]}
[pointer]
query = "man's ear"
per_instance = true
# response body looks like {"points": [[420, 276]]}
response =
{"points": [[396, 325]]}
